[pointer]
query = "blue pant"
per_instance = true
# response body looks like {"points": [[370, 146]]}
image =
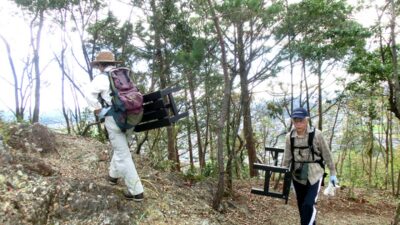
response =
{"points": [[307, 196]]}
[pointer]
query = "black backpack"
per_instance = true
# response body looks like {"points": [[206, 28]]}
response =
{"points": [[310, 146]]}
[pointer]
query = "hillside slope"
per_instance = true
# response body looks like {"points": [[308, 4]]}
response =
{"points": [[49, 178]]}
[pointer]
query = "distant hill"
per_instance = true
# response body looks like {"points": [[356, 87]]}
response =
{"points": [[52, 118]]}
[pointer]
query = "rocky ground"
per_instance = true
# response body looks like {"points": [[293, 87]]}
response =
{"points": [[50, 178]]}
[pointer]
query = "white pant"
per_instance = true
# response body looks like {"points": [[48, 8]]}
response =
{"points": [[122, 165]]}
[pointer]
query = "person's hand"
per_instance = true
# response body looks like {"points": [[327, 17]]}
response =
{"points": [[333, 179], [103, 112], [97, 111]]}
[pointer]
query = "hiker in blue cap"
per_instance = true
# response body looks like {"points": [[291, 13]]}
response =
{"points": [[307, 153]]}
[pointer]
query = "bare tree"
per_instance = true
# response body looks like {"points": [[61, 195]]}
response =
{"points": [[19, 112], [35, 44]]}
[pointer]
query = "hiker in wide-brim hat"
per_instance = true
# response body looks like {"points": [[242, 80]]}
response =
{"points": [[104, 57], [99, 91]]}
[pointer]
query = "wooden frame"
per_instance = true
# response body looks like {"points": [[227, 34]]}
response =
{"points": [[287, 178], [159, 110]]}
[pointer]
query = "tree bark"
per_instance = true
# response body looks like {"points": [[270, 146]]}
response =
{"points": [[307, 91], [395, 76], [36, 62], [190, 78], [190, 145], [396, 219], [319, 73], [246, 103], [224, 109], [160, 70], [230, 151], [334, 126], [19, 112]]}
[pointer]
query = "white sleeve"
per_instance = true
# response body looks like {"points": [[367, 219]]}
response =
{"points": [[100, 84]]}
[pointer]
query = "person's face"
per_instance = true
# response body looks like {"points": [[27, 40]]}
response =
{"points": [[99, 67], [300, 125]]}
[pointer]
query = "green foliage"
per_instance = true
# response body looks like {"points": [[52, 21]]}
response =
{"points": [[321, 30], [355, 174], [193, 175], [109, 34], [3, 125], [43, 5], [163, 165], [373, 67], [6, 128], [85, 119], [210, 170], [193, 55]]}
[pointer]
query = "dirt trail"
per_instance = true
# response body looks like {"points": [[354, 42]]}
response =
{"points": [[67, 186]]}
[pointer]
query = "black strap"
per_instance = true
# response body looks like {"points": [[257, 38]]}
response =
{"points": [[310, 146], [310, 143], [292, 150], [103, 103]]}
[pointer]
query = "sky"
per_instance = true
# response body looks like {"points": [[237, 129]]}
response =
{"points": [[15, 30]]}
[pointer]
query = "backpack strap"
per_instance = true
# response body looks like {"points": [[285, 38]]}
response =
{"points": [[292, 150], [311, 144], [103, 103], [310, 147]]}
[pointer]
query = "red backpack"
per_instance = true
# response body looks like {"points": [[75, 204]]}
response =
{"points": [[127, 101]]}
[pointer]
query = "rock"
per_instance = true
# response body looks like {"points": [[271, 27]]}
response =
{"points": [[37, 138], [2, 146], [40, 168]]}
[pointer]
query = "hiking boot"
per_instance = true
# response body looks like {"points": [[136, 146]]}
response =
{"points": [[136, 198], [112, 180]]}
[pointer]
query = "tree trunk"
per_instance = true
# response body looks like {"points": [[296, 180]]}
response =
{"points": [[190, 145], [246, 103], [160, 70], [207, 124], [370, 151], [190, 78], [396, 220], [290, 59], [178, 161], [141, 142], [64, 111], [395, 76], [334, 125], [36, 62], [224, 109], [398, 184], [18, 111], [307, 91], [319, 72], [386, 128], [230, 150], [61, 63], [391, 153]]}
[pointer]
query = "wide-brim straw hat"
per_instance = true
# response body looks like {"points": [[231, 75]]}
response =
{"points": [[104, 57]]}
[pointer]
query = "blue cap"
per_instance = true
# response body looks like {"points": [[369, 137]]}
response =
{"points": [[299, 113]]}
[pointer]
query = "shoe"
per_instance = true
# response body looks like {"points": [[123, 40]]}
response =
{"points": [[112, 180], [136, 198]]}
